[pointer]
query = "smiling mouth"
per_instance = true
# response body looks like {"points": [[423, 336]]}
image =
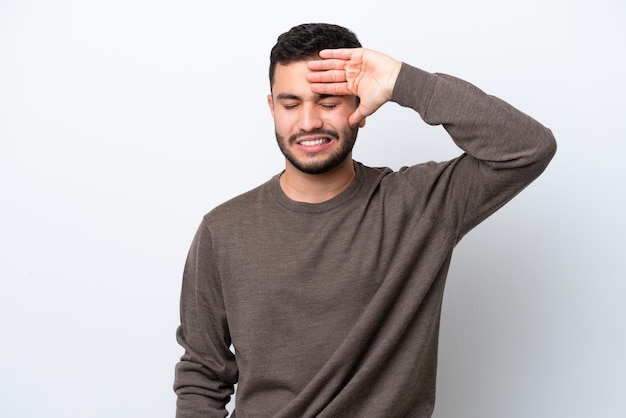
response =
{"points": [[314, 138], [314, 142]]}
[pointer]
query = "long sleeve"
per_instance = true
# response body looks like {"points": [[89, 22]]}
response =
{"points": [[207, 372], [505, 149]]}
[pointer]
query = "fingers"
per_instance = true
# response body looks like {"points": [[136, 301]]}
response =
{"points": [[326, 64], [328, 81], [326, 76], [356, 118], [341, 53], [335, 59], [331, 88]]}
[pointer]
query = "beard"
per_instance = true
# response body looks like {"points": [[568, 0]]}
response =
{"points": [[316, 165]]}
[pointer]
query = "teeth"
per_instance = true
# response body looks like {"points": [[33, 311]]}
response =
{"points": [[313, 142]]}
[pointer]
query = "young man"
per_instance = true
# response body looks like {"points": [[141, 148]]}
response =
{"points": [[328, 279]]}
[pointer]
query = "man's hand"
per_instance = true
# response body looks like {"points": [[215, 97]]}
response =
{"points": [[360, 72]]}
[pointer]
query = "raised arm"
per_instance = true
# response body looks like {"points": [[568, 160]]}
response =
{"points": [[505, 149]]}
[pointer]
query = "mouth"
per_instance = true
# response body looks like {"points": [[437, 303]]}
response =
{"points": [[313, 142], [314, 138]]}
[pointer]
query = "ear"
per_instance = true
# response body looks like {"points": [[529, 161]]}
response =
{"points": [[270, 103]]}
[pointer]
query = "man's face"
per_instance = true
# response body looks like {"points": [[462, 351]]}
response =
{"points": [[312, 130]]}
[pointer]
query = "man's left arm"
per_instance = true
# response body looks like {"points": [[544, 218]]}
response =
{"points": [[505, 149]]}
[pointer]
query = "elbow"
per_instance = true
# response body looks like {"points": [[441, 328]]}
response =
{"points": [[547, 148], [538, 149]]}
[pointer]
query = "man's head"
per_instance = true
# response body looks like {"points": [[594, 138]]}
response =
{"points": [[304, 42], [312, 130]]}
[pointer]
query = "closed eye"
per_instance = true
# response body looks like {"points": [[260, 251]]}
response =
{"points": [[290, 106]]}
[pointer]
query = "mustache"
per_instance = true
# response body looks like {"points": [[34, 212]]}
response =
{"points": [[293, 138]]}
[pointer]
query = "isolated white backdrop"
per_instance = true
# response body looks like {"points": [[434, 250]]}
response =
{"points": [[123, 122]]}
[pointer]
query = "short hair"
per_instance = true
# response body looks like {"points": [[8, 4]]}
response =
{"points": [[305, 41]]}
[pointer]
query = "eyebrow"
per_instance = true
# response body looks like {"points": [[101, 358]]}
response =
{"points": [[289, 96]]}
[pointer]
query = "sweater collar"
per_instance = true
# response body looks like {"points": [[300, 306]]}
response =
{"points": [[281, 198]]}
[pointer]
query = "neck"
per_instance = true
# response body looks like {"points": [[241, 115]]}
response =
{"points": [[316, 188]]}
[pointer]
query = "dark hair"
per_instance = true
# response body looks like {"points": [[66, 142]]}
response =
{"points": [[305, 41]]}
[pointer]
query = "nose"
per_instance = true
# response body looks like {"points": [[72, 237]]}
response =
{"points": [[309, 118]]}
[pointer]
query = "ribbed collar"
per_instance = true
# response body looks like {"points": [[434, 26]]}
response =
{"points": [[281, 198]]}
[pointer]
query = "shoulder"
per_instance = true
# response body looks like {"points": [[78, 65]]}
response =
{"points": [[368, 174], [240, 207], [419, 176]]}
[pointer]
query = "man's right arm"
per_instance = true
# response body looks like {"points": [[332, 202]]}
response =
{"points": [[207, 371]]}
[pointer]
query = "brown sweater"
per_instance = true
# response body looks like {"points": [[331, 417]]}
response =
{"points": [[333, 308]]}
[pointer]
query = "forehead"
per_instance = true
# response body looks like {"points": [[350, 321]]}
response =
{"points": [[290, 77]]}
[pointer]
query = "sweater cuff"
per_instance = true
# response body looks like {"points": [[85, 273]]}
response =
{"points": [[413, 88]]}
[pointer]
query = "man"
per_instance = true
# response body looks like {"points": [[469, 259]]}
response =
{"points": [[328, 279]]}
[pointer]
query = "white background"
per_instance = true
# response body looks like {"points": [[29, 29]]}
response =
{"points": [[123, 122]]}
